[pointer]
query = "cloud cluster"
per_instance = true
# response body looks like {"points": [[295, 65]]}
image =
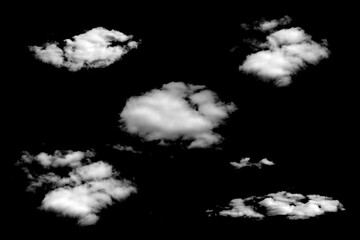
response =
{"points": [[293, 206], [285, 52], [86, 189], [92, 49], [176, 111], [244, 162]]}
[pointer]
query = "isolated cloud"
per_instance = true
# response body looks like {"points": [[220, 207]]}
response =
{"points": [[245, 162], [285, 52], [125, 148], [176, 111], [292, 206], [91, 49], [83, 192]]}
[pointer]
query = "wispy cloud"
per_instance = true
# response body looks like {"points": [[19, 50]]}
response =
{"points": [[272, 24], [125, 148], [88, 187], [91, 49], [245, 162], [293, 206], [285, 52], [176, 111]]}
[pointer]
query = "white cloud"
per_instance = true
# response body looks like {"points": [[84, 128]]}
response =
{"points": [[98, 170], [177, 111], [270, 25], [244, 162], [266, 161], [84, 192], [88, 50], [292, 206], [239, 209], [125, 148], [284, 54], [59, 159]]}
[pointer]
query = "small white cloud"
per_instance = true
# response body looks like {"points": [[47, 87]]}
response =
{"points": [[177, 111], [245, 162], [270, 25], [265, 161], [292, 206], [284, 54], [125, 148], [84, 192], [97, 170], [59, 159], [91, 49], [71, 159]]}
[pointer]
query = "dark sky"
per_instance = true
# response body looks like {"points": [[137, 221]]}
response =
{"points": [[307, 129]]}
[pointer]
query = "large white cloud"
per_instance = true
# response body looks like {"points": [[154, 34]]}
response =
{"points": [[91, 49], [83, 192], [176, 111], [285, 52], [245, 162], [292, 206]]}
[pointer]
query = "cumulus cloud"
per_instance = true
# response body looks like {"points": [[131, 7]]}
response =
{"points": [[293, 206], [88, 187], [92, 49], [176, 111], [285, 52], [245, 162]]}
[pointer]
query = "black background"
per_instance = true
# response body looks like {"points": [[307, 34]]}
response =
{"points": [[307, 129]]}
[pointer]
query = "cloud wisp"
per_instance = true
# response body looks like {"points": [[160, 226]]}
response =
{"points": [[245, 162], [125, 148], [92, 49], [176, 111], [293, 206], [84, 192], [272, 24], [285, 52]]}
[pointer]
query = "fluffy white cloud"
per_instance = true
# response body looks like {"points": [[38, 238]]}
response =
{"points": [[244, 162], [70, 159], [84, 192], [91, 49], [293, 206], [177, 111], [284, 54]]}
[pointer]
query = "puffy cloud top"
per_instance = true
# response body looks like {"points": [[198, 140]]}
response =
{"points": [[177, 111], [91, 49], [284, 54]]}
